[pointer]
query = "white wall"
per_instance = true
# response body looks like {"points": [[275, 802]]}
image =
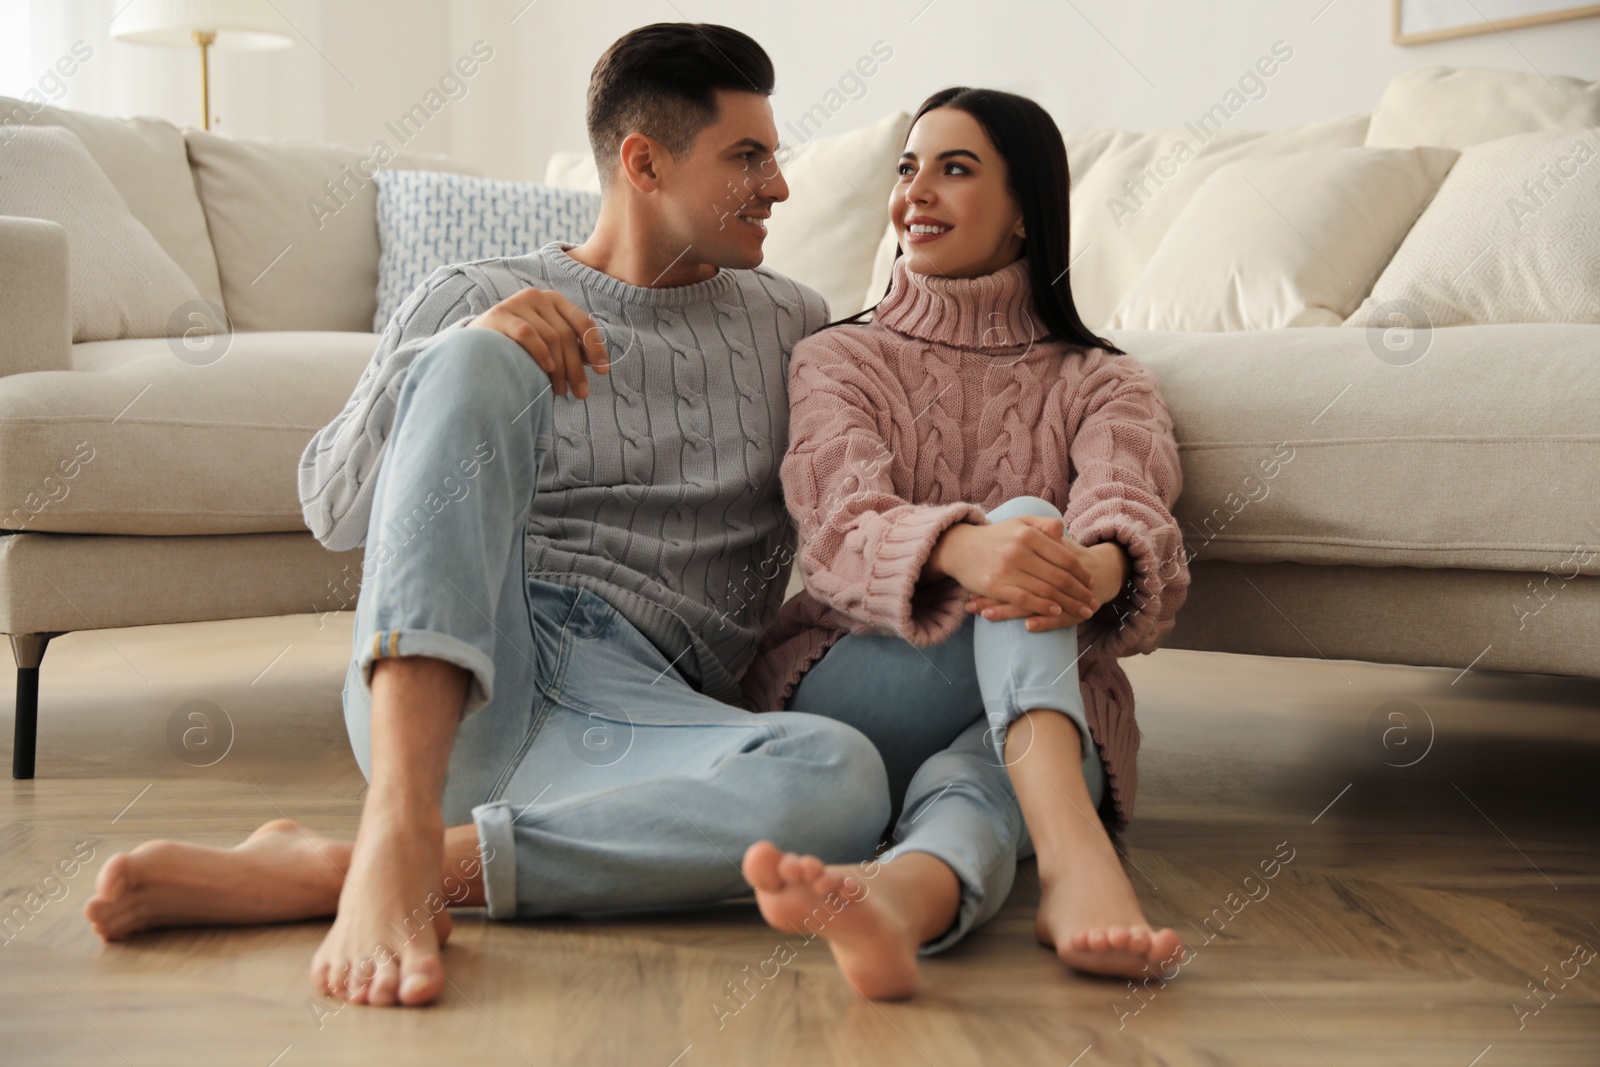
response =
{"points": [[360, 63]]}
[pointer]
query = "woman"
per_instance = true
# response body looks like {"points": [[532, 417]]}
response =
{"points": [[975, 449]]}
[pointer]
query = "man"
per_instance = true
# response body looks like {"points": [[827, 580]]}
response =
{"points": [[557, 605]]}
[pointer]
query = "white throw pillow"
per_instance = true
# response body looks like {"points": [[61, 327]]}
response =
{"points": [[1135, 188], [827, 233], [1290, 240], [1458, 107], [123, 283], [1512, 236], [427, 219]]}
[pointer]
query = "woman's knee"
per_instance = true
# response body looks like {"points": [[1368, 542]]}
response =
{"points": [[1024, 505]]}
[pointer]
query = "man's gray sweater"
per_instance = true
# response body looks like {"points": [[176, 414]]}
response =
{"points": [[661, 491]]}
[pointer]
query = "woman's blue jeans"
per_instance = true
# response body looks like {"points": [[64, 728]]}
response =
{"points": [[938, 716], [599, 780]]}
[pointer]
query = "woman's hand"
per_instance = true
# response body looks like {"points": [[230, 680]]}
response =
{"points": [[1108, 562], [1026, 562]]}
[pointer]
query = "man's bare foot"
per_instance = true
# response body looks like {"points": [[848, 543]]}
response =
{"points": [[383, 948], [1091, 916], [280, 873], [873, 942]]}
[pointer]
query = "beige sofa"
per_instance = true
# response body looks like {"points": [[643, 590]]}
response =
{"points": [[1341, 502]]}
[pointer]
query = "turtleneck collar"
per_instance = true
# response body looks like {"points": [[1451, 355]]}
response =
{"points": [[990, 312]]}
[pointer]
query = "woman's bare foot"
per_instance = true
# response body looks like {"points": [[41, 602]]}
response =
{"points": [[280, 873], [1091, 916], [873, 925], [383, 948]]}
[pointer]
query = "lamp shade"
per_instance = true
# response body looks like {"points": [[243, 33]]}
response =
{"points": [[246, 25]]}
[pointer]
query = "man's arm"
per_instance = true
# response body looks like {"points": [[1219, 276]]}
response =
{"points": [[339, 467]]}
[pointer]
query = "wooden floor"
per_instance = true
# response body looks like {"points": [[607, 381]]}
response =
{"points": [[1434, 900]]}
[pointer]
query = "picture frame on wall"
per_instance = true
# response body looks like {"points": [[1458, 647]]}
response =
{"points": [[1421, 21]]}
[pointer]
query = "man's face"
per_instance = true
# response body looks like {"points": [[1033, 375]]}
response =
{"points": [[716, 200]]}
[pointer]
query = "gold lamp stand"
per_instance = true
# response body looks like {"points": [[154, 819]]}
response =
{"points": [[203, 38]]}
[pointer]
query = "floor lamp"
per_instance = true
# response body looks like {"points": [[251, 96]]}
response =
{"points": [[242, 25]]}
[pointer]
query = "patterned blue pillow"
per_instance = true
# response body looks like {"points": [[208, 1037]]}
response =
{"points": [[427, 219]]}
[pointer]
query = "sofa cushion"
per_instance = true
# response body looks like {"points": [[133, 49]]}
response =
{"points": [[1512, 236], [295, 227], [122, 283], [1458, 107], [138, 439], [1125, 201], [1476, 448], [1290, 240], [427, 219], [146, 161], [823, 235]]}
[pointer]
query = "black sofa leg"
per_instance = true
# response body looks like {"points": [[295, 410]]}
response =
{"points": [[29, 652]]}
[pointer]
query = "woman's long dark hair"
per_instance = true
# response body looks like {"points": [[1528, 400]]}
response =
{"points": [[1036, 158]]}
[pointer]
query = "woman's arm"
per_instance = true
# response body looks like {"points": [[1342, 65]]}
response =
{"points": [[1128, 479], [863, 548]]}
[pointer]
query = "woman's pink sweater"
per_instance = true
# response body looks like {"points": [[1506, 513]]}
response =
{"points": [[939, 410]]}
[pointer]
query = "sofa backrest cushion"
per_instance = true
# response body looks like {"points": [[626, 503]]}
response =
{"points": [[1458, 107], [146, 161], [427, 219], [1290, 240], [123, 284], [1124, 202], [295, 227], [1512, 236]]}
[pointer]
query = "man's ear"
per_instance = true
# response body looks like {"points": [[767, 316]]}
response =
{"points": [[638, 161]]}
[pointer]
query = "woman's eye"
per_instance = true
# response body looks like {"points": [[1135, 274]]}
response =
{"points": [[959, 167]]}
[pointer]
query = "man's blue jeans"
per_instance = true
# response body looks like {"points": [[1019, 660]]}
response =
{"points": [[938, 715], [599, 780]]}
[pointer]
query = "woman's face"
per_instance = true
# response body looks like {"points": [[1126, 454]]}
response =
{"points": [[953, 181]]}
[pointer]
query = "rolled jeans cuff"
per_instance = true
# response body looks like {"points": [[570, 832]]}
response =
{"points": [[495, 841], [387, 644], [1016, 702]]}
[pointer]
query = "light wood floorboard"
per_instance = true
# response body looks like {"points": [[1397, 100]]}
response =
{"points": [[1420, 903]]}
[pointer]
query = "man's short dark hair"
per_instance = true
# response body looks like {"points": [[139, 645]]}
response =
{"points": [[662, 80]]}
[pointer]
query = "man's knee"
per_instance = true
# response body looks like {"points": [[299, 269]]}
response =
{"points": [[487, 364], [848, 799], [1025, 505]]}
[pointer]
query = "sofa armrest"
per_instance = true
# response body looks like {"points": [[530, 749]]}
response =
{"points": [[35, 296]]}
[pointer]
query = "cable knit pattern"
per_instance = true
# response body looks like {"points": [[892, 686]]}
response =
{"points": [[661, 492], [948, 404]]}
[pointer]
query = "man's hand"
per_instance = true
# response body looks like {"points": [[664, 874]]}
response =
{"points": [[1108, 562], [1026, 562], [559, 336]]}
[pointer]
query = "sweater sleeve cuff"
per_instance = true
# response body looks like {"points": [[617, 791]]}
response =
{"points": [[1142, 613], [927, 614]]}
